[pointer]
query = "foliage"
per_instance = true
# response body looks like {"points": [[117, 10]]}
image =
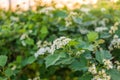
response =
{"points": [[22, 34]]}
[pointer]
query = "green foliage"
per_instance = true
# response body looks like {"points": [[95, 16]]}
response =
{"points": [[89, 76], [3, 60], [52, 59], [101, 55], [22, 35], [79, 64], [8, 72], [115, 74], [92, 36]]}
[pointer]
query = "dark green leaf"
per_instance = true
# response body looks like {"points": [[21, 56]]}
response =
{"points": [[78, 65], [103, 54], [8, 72], [52, 59], [115, 74], [3, 60]]}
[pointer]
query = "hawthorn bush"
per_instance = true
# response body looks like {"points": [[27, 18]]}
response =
{"points": [[60, 44]]}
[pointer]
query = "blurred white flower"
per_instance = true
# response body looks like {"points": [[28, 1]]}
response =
{"points": [[42, 51], [117, 65], [80, 52], [114, 28], [86, 10], [23, 43], [92, 69], [59, 43], [103, 9], [101, 75], [23, 36], [39, 43], [101, 29], [47, 10], [108, 64], [115, 43]]}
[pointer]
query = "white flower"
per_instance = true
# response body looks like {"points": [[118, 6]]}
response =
{"points": [[115, 43], [100, 29], [36, 78], [47, 11], [101, 75], [39, 43], [103, 9], [23, 36], [86, 10], [14, 67], [96, 78], [92, 69], [80, 52], [108, 64], [115, 36], [114, 28], [118, 65], [23, 43], [59, 43], [42, 51], [30, 31]]}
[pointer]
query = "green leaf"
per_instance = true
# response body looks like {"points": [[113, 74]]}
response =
{"points": [[2, 78], [77, 20], [31, 59], [78, 65], [3, 60], [44, 32], [60, 13], [8, 72], [86, 77], [105, 35], [92, 36], [28, 60], [115, 74], [29, 41], [52, 59], [65, 61], [88, 47], [85, 45], [103, 54], [18, 59], [115, 54]]}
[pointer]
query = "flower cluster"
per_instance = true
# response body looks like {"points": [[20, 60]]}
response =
{"points": [[47, 10], [118, 65], [42, 51], [43, 44], [59, 43], [115, 43], [108, 64], [23, 36], [86, 10], [101, 29], [36, 78], [114, 28], [69, 18], [93, 69], [101, 75], [80, 52], [98, 75]]}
